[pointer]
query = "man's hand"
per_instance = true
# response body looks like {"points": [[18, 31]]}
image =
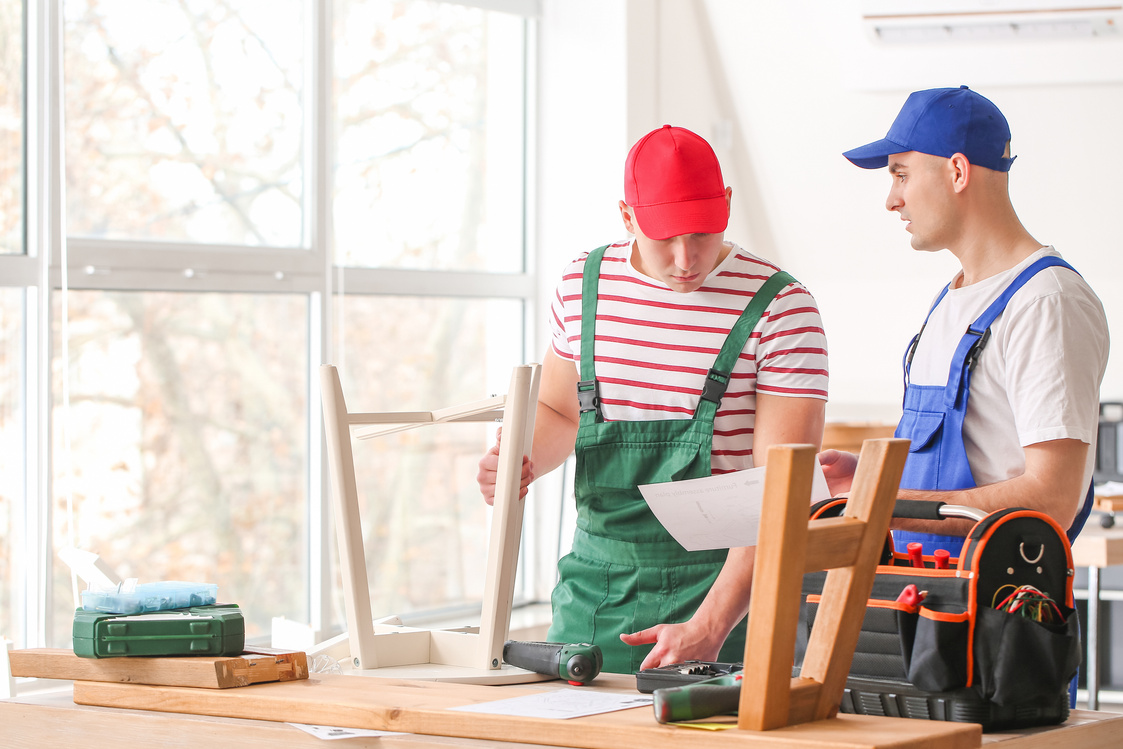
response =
{"points": [[674, 643], [838, 469], [489, 471]]}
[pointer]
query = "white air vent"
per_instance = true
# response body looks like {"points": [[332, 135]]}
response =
{"points": [[910, 21]]}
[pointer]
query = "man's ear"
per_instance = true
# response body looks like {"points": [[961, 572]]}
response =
{"points": [[626, 214], [959, 169]]}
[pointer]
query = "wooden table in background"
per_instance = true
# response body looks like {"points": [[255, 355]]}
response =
{"points": [[1096, 547]]}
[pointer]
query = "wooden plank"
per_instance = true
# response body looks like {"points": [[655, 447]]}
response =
{"points": [[425, 708], [208, 672], [830, 647], [765, 691]]}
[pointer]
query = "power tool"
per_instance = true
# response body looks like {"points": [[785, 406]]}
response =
{"points": [[720, 695], [576, 663]]}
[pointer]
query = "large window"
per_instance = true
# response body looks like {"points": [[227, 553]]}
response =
{"points": [[184, 120], [429, 136], [253, 187]]}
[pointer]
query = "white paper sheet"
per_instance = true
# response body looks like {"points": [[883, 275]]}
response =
{"points": [[329, 733], [717, 512], [561, 704]]}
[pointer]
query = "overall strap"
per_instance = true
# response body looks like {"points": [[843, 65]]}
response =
{"points": [[717, 379], [588, 395], [978, 333], [910, 351]]}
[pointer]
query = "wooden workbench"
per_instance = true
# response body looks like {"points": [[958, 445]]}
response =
{"points": [[54, 720]]}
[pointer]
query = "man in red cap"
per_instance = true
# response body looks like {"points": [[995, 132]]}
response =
{"points": [[705, 356]]}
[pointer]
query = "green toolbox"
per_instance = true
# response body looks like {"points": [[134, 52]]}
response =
{"points": [[198, 630]]}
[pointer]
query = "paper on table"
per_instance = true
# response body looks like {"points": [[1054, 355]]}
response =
{"points": [[328, 733], [717, 512], [560, 703]]}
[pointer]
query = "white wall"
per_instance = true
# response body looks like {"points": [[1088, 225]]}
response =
{"points": [[781, 89]]}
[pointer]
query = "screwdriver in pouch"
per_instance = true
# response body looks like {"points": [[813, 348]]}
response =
{"points": [[576, 663], [720, 695]]}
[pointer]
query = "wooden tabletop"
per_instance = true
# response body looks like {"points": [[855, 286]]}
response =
{"points": [[52, 719]]}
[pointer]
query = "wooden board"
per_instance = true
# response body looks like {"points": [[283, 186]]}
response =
{"points": [[425, 708], [209, 672], [52, 719]]}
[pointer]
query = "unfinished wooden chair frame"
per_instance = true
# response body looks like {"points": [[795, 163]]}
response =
{"points": [[466, 654], [849, 547]]}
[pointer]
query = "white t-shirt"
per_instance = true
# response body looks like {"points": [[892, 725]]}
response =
{"points": [[654, 346], [1039, 375]]}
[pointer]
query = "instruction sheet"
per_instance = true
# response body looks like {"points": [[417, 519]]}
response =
{"points": [[717, 512]]}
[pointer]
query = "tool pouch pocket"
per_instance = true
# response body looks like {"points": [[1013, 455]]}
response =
{"points": [[1022, 661], [937, 659]]}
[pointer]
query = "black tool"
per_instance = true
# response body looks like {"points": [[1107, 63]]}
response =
{"points": [[681, 674], [576, 663]]}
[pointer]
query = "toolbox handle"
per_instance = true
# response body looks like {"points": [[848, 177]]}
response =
{"points": [[920, 509]]}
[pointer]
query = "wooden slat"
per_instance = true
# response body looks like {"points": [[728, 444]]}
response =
{"points": [[830, 648], [425, 708], [208, 672], [832, 542], [765, 692]]}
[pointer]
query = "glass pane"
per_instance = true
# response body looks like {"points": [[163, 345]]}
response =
{"points": [[11, 126], [429, 141], [12, 461], [184, 120], [188, 445], [425, 525]]}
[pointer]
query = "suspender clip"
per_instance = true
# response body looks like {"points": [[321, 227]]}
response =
{"points": [[716, 382], [588, 395], [977, 348]]}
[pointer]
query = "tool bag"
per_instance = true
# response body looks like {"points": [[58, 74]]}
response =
{"points": [[995, 639]]}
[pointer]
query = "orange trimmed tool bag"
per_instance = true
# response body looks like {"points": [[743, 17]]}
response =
{"points": [[993, 638]]}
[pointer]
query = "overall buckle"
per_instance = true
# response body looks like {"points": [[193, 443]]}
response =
{"points": [[588, 395], [976, 349], [714, 389]]}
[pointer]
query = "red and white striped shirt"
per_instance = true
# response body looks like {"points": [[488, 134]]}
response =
{"points": [[654, 346]]}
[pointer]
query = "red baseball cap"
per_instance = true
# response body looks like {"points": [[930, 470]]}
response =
{"points": [[672, 181]]}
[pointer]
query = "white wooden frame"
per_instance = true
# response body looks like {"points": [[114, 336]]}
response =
{"points": [[466, 654]]}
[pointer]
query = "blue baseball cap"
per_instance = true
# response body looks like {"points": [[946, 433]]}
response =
{"points": [[943, 122]]}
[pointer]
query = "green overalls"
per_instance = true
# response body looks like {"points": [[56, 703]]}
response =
{"points": [[625, 572]]}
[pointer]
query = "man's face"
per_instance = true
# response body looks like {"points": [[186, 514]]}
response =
{"points": [[922, 194], [683, 262]]}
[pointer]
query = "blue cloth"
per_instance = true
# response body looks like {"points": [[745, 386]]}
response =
{"points": [[932, 418]]}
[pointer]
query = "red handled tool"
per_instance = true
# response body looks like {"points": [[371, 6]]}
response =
{"points": [[916, 554], [910, 596]]}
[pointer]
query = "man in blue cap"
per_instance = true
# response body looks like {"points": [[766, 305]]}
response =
{"points": [[1002, 381]]}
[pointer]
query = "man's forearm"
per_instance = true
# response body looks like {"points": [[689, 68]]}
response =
{"points": [[554, 437], [1053, 483], [728, 599]]}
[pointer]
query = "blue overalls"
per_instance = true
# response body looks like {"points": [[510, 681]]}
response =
{"points": [[933, 419]]}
